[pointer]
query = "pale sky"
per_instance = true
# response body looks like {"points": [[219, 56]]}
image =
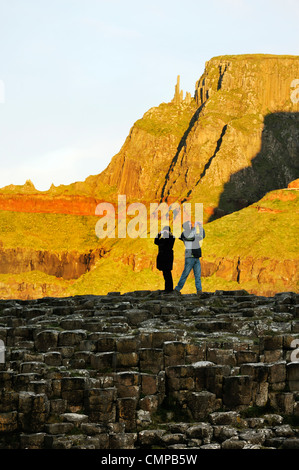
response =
{"points": [[76, 74]]}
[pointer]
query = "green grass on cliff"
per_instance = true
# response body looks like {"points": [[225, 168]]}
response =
{"points": [[91, 186], [167, 118], [53, 232], [268, 228], [107, 276]]}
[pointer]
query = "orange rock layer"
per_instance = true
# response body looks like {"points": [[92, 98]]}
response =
{"points": [[75, 205]]}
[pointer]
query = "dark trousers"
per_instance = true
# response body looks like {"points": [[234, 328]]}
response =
{"points": [[168, 280]]}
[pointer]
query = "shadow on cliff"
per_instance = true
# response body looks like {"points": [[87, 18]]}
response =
{"points": [[274, 167], [182, 143]]}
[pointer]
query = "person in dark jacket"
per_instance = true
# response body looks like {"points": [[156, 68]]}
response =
{"points": [[191, 236], [165, 241]]}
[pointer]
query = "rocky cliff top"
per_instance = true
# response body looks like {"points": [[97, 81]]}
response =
{"points": [[263, 80]]}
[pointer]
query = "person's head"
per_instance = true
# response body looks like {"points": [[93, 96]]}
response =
{"points": [[187, 225], [166, 229]]}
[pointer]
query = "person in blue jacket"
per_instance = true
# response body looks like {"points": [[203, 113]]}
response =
{"points": [[191, 236]]}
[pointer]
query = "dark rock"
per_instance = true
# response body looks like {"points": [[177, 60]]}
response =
{"points": [[107, 384], [237, 391]]}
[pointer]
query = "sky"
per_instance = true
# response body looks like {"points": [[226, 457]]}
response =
{"points": [[76, 74]]}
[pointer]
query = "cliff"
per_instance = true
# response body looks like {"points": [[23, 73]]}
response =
{"points": [[245, 140], [139, 169], [229, 146], [235, 140]]}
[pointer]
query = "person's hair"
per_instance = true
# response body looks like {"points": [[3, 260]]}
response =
{"points": [[186, 224], [167, 228]]}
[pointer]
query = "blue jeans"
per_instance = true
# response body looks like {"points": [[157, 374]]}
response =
{"points": [[191, 263]]}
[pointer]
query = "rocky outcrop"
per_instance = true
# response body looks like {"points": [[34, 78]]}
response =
{"points": [[140, 168], [271, 92], [66, 265], [236, 140], [245, 139], [264, 271], [145, 370], [179, 94]]}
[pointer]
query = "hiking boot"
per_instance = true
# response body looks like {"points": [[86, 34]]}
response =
{"points": [[177, 292]]}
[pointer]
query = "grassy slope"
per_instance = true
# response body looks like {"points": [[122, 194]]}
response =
{"points": [[248, 232], [53, 232]]}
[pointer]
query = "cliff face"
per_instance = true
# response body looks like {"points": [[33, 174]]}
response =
{"points": [[255, 249], [235, 140], [139, 170], [66, 265], [264, 80], [245, 140]]}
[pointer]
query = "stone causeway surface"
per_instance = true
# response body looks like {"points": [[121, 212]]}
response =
{"points": [[148, 370]]}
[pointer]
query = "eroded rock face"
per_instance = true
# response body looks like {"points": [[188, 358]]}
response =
{"points": [[211, 371], [262, 270], [66, 265], [140, 168], [245, 139], [240, 141]]}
